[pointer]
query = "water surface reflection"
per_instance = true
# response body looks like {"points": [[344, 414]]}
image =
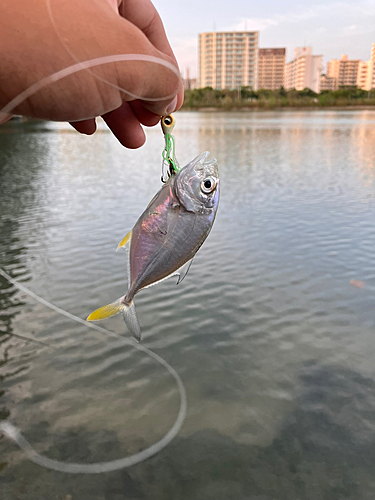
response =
{"points": [[274, 345]]}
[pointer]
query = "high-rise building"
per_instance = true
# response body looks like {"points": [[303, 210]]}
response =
{"points": [[372, 67], [353, 72], [271, 67], [345, 70], [364, 75], [304, 70], [228, 59], [333, 68]]}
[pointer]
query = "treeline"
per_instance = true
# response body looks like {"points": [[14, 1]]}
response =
{"points": [[245, 97]]}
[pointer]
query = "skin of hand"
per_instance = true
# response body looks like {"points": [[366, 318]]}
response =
{"points": [[35, 44]]}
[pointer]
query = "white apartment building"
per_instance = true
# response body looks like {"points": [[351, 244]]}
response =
{"points": [[364, 75], [228, 59], [351, 72], [271, 68], [366, 72], [345, 70], [304, 70]]}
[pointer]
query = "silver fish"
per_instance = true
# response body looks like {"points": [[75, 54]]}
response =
{"points": [[168, 234]]}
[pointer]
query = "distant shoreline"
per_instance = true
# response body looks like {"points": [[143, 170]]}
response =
{"points": [[244, 99], [246, 109]]}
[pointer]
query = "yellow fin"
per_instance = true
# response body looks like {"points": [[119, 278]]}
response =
{"points": [[124, 241], [106, 311]]}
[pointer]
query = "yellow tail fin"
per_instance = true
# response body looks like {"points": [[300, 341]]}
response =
{"points": [[128, 312], [106, 311]]}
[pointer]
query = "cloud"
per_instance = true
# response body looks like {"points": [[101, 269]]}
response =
{"points": [[253, 24], [331, 28], [364, 10]]}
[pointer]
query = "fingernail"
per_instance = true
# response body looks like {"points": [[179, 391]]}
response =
{"points": [[172, 106]]}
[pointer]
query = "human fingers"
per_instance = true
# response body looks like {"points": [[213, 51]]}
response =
{"points": [[144, 116], [125, 126], [87, 127], [128, 65]]}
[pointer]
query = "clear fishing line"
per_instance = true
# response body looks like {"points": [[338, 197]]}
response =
{"points": [[13, 433], [91, 63], [86, 65], [6, 427], [101, 79]]}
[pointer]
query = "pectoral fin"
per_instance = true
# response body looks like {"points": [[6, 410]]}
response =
{"points": [[124, 241], [182, 272]]}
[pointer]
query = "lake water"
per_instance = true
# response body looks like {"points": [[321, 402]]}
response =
{"points": [[275, 345]]}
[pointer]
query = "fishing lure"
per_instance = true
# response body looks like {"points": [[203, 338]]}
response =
{"points": [[170, 164]]}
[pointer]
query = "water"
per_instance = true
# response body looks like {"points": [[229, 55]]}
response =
{"points": [[275, 347]]}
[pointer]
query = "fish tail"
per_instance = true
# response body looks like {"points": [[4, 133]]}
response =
{"points": [[131, 320], [107, 311], [128, 312]]}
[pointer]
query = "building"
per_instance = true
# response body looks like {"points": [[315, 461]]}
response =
{"points": [[348, 72], [328, 83], [353, 72], [304, 70], [333, 68], [271, 67], [372, 69], [189, 83], [345, 70], [228, 59], [364, 75]]}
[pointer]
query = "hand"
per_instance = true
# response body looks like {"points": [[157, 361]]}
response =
{"points": [[34, 45]]}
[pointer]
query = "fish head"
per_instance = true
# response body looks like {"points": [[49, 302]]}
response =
{"points": [[197, 185]]}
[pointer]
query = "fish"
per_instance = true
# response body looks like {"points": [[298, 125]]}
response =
{"points": [[168, 234]]}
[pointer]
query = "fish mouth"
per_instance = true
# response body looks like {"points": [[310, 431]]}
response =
{"points": [[204, 167], [201, 158]]}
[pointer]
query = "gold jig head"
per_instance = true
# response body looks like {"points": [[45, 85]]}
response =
{"points": [[167, 124]]}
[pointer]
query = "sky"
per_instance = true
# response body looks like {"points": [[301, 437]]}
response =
{"points": [[331, 27]]}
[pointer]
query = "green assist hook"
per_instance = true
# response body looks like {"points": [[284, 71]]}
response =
{"points": [[170, 162]]}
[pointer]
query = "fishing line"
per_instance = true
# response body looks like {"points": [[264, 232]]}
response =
{"points": [[13, 433], [170, 164], [6, 427], [121, 89], [75, 68], [82, 65], [30, 339]]}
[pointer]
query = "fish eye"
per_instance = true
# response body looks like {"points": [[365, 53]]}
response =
{"points": [[208, 185]]}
